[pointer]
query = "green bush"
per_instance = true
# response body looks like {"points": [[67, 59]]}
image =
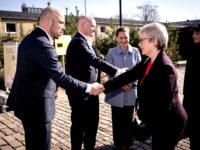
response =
{"points": [[173, 46], [107, 42], [104, 44]]}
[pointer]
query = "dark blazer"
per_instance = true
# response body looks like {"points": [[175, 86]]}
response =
{"points": [[192, 80], [159, 103], [191, 95], [83, 64], [37, 76]]}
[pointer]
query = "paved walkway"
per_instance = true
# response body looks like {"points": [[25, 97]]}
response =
{"points": [[12, 135]]}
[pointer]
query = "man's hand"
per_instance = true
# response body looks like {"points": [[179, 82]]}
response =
{"points": [[96, 88], [127, 87]]}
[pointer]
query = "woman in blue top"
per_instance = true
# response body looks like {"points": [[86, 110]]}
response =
{"points": [[122, 100]]}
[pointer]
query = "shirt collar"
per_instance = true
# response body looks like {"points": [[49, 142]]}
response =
{"points": [[129, 49], [50, 38], [89, 41]]}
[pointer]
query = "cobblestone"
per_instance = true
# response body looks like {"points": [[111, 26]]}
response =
{"points": [[12, 134]]}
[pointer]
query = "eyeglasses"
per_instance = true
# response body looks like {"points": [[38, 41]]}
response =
{"points": [[142, 39]]}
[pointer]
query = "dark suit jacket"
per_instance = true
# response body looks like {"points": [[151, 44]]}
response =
{"points": [[192, 80], [83, 64], [158, 94], [38, 71]]}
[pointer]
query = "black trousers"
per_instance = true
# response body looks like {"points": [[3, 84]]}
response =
{"points": [[121, 122], [167, 131], [37, 134], [193, 130], [85, 119], [190, 103]]}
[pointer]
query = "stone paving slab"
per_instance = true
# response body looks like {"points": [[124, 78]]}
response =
{"points": [[12, 134]]}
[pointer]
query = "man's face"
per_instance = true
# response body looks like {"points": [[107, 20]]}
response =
{"points": [[196, 37], [58, 26], [90, 28]]}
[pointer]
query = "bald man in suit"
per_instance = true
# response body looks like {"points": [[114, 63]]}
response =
{"points": [[37, 76], [83, 64]]}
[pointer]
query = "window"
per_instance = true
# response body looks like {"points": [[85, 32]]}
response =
{"points": [[10, 27], [102, 29]]}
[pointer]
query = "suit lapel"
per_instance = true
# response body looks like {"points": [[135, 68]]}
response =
{"points": [[94, 50], [90, 46]]}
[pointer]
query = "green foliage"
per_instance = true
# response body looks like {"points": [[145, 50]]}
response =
{"points": [[71, 24], [105, 43], [173, 47], [134, 37]]}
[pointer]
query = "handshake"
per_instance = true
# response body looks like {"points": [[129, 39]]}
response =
{"points": [[97, 88]]}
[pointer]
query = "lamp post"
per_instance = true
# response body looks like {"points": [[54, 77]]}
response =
{"points": [[120, 13], [85, 6]]}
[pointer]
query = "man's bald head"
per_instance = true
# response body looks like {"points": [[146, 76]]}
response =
{"points": [[52, 21], [87, 25], [48, 12]]}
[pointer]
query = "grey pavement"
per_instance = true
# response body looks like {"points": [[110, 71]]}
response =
{"points": [[12, 134]]}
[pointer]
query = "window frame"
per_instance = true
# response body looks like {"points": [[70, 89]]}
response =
{"points": [[102, 29], [11, 23]]}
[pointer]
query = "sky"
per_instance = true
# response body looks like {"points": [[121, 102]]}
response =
{"points": [[168, 10]]}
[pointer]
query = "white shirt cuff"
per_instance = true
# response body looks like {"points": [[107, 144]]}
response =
{"points": [[118, 72], [89, 88]]}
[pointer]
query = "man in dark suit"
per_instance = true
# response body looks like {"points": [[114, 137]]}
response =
{"points": [[83, 64], [37, 76]]}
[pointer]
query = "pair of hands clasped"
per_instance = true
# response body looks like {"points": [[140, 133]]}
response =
{"points": [[97, 88]]}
